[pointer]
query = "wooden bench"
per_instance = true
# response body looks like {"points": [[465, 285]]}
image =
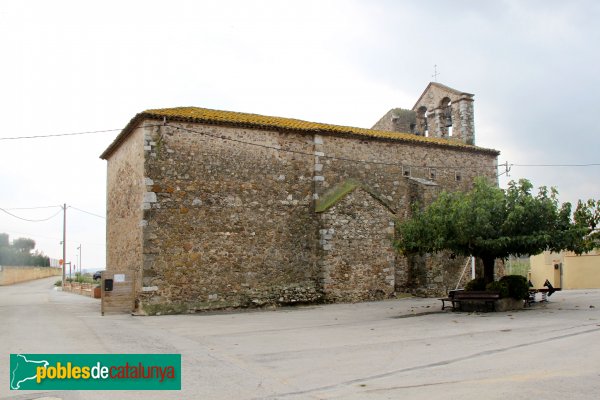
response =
{"points": [[449, 299], [488, 298]]}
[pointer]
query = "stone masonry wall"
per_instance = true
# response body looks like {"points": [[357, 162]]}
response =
{"points": [[357, 257], [397, 120], [232, 224], [389, 163], [125, 195], [434, 99], [451, 169], [212, 223]]}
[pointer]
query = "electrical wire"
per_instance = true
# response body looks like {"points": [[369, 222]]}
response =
{"points": [[31, 220], [285, 150], [30, 208], [46, 219], [87, 212], [279, 149], [36, 236], [72, 134], [556, 165], [323, 156], [59, 134], [462, 167]]}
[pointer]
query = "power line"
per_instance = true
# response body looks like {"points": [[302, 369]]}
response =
{"points": [[30, 208], [72, 133], [33, 236], [278, 149], [507, 165], [31, 220], [324, 156], [59, 134], [556, 165], [41, 207], [87, 212]]}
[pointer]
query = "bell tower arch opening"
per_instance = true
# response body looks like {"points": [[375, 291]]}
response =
{"points": [[447, 112], [445, 109], [421, 128]]}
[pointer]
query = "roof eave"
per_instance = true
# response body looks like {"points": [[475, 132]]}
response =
{"points": [[457, 92], [135, 121], [122, 136]]}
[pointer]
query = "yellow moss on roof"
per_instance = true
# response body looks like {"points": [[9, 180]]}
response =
{"points": [[195, 114], [231, 118]]}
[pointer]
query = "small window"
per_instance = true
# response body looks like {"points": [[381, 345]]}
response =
{"points": [[432, 174], [457, 176], [406, 171]]}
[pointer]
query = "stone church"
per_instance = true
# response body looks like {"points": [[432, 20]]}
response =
{"points": [[211, 209]]}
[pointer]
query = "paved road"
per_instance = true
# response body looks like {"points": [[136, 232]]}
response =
{"points": [[399, 349]]}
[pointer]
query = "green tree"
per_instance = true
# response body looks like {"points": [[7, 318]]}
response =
{"points": [[23, 245], [4, 240], [20, 252], [489, 223], [588, 214]]}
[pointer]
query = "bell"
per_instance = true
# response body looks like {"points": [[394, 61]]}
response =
{"points": [[448, 116]]}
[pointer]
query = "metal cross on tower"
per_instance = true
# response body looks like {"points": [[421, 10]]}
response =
{"points": [[435, 73]]}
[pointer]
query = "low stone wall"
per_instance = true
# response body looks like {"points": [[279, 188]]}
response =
{"points": [[10, 274], [85, 289], [505, 304]]}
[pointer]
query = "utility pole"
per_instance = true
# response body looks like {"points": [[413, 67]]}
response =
{"points": [[80, 269], [64, 242]]}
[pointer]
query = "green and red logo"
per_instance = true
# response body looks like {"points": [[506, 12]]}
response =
{"points": [[95, 371]]}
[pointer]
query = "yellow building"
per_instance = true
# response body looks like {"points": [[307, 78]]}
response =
{"points": [[566, 270]]}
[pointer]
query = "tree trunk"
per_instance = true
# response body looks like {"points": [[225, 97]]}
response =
{"points": [[488, 269]]}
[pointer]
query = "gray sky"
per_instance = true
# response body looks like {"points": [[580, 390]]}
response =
{"points": [[78, 66]]}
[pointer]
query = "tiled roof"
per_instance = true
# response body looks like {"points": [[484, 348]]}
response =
{"points": [[237, 119]]}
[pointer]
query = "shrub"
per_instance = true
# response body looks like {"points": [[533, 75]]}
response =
{"points": [[58, 282], [514, 286], [83, 278], [475, 284], [517, 286], [498, 286]]}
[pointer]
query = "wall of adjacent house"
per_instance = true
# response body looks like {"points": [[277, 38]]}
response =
{"points": [[573, 272], [582, 272], [542, 268], [124, 218], [231, 224]]}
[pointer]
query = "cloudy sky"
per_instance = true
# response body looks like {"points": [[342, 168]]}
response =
{"points": [[83, 66]]}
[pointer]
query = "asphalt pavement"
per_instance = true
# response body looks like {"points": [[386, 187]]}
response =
{"points": [[395, 349]]}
